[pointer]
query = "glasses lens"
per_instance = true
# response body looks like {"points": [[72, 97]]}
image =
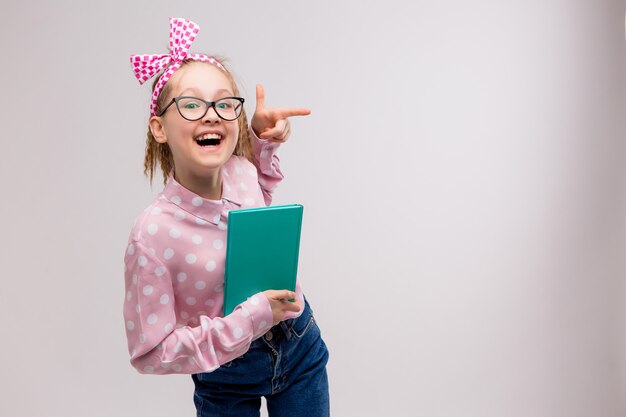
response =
{"points": [[228, 108], [191, 108]]}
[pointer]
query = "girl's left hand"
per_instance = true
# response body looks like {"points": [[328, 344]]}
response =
{"points": [[272, 124]]}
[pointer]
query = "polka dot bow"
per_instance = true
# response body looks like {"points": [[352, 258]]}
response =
{"points": [[182, 34]]}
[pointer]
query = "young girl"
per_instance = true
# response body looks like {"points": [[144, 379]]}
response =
{"points": [[174, 263]]}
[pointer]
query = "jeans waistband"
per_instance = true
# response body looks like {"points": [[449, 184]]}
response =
{"points": [[282, 330]]}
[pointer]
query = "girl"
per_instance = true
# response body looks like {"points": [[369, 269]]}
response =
{"points": [[174, 263]]}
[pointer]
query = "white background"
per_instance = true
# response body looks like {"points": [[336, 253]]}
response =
{"points": [[463, 173]]}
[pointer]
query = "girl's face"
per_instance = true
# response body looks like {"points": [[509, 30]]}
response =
{"points": [[208, 82]]}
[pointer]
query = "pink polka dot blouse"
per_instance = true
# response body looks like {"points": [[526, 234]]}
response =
{"points": [[174, 273]]}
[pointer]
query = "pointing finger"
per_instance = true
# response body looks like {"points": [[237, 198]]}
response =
{"points": [[283, 113]]}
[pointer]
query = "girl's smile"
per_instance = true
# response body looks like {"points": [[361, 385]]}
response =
{"points": [[209, 139]]}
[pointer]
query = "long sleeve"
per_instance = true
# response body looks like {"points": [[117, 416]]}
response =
{"points": [[154, 343], [266, 153]]}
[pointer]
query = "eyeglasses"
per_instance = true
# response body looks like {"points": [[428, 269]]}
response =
{"points": [[194, 108]]}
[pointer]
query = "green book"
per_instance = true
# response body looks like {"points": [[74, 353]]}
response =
{"points": [[262, 247]]}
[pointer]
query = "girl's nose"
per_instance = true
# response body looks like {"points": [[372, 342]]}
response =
{"points": [[211, 116]]}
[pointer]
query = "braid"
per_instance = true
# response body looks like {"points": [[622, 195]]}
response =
{"points": [[244, 143], [149, 160]]}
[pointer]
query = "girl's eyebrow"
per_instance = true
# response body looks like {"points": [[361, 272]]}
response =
{"points": [[198, 92]]}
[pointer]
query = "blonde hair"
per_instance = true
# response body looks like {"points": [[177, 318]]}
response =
{"points": [[160, 153]]}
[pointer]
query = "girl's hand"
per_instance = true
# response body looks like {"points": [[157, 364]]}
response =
{"points": [[272, 124], [279, 301]]}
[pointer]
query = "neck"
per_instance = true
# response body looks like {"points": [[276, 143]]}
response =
{"points": [[208, 187]]}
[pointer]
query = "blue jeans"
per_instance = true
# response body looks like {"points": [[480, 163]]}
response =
{"points": [[287, 366]]}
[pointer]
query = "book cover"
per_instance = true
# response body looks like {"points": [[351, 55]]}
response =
{"points": [[262, 250]]}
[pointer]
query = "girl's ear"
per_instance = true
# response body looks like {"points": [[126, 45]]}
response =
{"points": [[157, 129]]}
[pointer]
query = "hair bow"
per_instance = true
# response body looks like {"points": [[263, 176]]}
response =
{"points": [[182, 34]]}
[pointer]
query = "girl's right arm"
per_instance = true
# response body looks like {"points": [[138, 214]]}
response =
{"points": [[157, 346]]}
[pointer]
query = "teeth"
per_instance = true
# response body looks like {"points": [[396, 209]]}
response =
{"points": [[209, 136]]}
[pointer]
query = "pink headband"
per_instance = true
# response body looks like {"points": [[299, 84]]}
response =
{"points": [[182, 34]]}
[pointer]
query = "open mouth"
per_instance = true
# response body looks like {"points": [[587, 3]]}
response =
{"points": [[210, 139]]}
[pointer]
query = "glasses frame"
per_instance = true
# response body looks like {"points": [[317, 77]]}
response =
{"points": [[209, 104]]}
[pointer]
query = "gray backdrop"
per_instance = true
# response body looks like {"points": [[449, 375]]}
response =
{"points": [[463, 172]]}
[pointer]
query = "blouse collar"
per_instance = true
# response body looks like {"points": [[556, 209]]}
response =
{"points": [[208, 210]]}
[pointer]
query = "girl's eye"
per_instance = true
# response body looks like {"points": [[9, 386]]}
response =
{"points": [[190, 104], [224, 105]]}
